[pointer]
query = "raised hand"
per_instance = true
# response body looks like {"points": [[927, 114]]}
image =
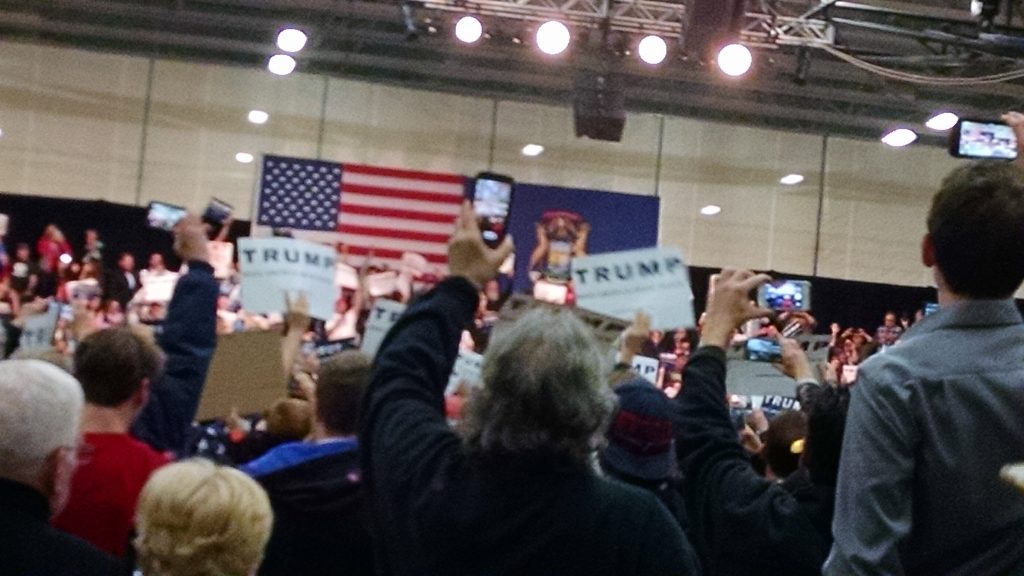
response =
{"points": [[468, 256]]}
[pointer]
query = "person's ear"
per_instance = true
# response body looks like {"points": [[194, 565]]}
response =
{"points": [[55, 477], [141, 396], [928, 251]]}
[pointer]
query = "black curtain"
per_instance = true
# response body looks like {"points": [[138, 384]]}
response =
{"points": [[122, 228]]}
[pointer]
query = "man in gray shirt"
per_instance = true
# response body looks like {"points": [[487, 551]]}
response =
{"points": [[933, 420]]}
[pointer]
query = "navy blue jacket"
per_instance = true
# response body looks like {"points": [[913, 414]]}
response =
{"points": [[188, 337]]}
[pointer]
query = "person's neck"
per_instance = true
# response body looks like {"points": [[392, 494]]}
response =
{"points": [[107, 420]]}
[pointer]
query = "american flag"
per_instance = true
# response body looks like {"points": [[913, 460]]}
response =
{"points": [[383, 210]]}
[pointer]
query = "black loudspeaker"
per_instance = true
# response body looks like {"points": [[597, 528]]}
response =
{"points": [[710, 24], [599, 107]]}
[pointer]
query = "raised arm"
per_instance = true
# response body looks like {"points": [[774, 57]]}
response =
{"points": [[405, 438], [727, 502], [188, 337]]}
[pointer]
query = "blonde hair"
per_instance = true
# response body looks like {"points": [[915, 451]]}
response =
{"points": [[199, 519]]}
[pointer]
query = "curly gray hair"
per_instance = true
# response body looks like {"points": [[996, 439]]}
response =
{"points": [[544, 389]]}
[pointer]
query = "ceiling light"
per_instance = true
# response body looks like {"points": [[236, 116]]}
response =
{"points": [[792, 179], [943, 121], [1, 133], [281, 64], [552, 37], [652, 49], [258, 116], [899, 137], [533, 150], [468, 29], [244, 157], [735, 60], [710, 210], [291, 40]]}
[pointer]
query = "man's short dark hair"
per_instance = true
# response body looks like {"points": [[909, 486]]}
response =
{"points": [[339, 390], [976, 224], [112, 363]]}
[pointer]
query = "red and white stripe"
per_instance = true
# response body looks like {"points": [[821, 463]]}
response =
{"points": [[390, 212]]}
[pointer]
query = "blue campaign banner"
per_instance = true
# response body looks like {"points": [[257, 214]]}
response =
{"points": [[551, 225]]}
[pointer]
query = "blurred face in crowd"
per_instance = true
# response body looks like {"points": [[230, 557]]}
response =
{"points": [[23, 253], [127, 262], [91, 237], [890, 320], [156, 262]]}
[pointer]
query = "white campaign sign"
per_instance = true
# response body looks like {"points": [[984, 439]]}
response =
{"points": [[465, 373], [654, 280], [383, 316], [646, 367], [272, 267], [38, 331]]}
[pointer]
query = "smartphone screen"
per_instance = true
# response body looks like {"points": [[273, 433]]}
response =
{"points": [[164, 216], [785, 295], [492, 200], [980, 139], [763, 350], [930, 308]]}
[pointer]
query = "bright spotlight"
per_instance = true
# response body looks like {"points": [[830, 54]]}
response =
{"points": [[258, 116], [244, 157], [552, 37], [899, 137], [710, 210], [291, 40], [942, 122], [735, 60], [281, 64], [65, 259], [652, 49], [468, 29], [791, 179]]}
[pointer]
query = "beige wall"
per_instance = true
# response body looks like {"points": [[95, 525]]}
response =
{"points": [[89, 125]]}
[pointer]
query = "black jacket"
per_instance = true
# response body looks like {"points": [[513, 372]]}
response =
{"points": [[438, 510], [29, 546], [320, 525], [115, 287], [740, 523]]}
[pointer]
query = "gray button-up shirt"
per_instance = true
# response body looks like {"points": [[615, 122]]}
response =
{"points": [[930, 424]]}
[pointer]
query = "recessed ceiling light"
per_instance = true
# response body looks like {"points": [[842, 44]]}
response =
{"points": [[281, 64], [291, 40], [710, 210], [942, 122], [258, 116], [533, 150], [792, 179], [244, 157], [900, 137]]}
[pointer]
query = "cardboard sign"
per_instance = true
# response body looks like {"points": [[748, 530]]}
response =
{"points": [[849, 375], [221, 255], [465, 373], [383, 316], [246, 373], [654, 280], [83, 289], [773, 405], [273, 267], [39, 328], [646, 367]]}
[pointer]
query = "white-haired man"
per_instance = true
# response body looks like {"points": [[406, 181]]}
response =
{"points": [[40, 411], [517, 494]]}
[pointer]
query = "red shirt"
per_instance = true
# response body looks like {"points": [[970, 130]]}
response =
{"points": [[106, 488]]}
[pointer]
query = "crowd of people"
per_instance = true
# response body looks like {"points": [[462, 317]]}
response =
{"points": [[563, 461]]}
